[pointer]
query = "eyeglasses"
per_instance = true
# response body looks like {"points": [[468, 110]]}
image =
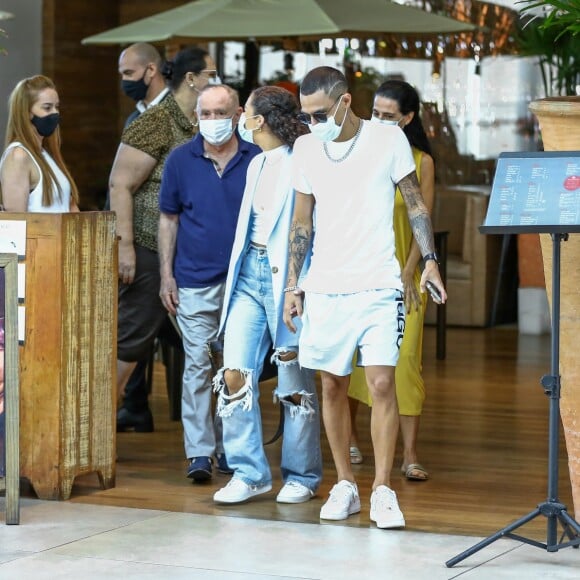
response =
{"points": [[319, 116], [210, 72]]}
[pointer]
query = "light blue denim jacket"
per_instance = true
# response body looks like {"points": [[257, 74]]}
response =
{"points": [[277, 245]]}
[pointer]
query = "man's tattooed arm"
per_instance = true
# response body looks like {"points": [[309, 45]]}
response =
{"points": [[418, 213], [299, 243], [300, 236]]}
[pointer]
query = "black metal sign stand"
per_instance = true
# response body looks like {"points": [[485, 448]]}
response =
{"points": [[552, 508], [537, 193]]}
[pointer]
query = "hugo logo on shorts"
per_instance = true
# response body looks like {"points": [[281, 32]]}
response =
{"points": [[400, 318]]}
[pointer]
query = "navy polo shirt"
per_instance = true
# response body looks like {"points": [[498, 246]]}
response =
{"points": [[208, 206]]}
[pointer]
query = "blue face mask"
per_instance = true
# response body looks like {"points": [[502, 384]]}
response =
{"points": [[246, 134]]}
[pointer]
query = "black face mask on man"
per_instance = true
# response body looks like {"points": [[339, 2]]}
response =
{"points": [[135, 90], [47, 125]]}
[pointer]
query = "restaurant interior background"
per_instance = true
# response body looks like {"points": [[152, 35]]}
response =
{"points": [[476, 105], [484, 99]]}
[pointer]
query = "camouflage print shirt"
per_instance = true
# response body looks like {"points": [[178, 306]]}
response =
{"points": [[156, 132]]}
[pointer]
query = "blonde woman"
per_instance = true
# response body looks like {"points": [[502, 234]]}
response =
{"points": [[33, 175]]}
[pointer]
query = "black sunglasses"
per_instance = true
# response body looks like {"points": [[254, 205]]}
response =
{"points": [[318, 116]]}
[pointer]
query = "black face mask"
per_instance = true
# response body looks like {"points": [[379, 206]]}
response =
{"points": [[135, 90], [46, 126]]}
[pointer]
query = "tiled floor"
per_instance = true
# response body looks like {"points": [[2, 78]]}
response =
{"points": [[67, 540]]}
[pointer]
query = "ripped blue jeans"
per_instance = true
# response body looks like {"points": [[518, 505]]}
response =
{"points": [[248, 335]]}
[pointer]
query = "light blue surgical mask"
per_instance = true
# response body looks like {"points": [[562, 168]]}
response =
{"points": [[246, 134], [216, 131], [328, 131], [385, 121]]}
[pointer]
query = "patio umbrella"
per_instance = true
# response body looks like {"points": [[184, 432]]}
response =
{"points": [[275, 19]]}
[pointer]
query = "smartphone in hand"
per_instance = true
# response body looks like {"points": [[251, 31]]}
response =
{"points": [[433, 290]]}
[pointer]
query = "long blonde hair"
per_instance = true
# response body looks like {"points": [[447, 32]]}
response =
{"points": [[19, 128]]}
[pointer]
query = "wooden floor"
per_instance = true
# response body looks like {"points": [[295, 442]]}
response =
{"points": [[483, 438]]}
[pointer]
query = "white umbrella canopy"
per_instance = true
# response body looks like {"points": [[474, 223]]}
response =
{"points": [[275, 19]]}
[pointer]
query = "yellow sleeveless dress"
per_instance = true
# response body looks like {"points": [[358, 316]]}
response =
{"points": [[408, 378]]}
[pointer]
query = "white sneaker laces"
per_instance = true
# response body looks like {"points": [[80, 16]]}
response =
{"points": [[294, 485], [384, 499], [340, 493]]}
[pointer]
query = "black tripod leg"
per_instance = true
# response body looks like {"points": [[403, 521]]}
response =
{"points": [[498, 535], [571, 529], [570, 521]]}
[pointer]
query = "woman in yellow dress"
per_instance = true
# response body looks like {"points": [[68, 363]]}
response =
{"points": [[397, 103]]}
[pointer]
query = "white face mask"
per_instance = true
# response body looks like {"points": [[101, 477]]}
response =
{"points": [[328, 131], [385, 121], [216, 131], [214, 80], [246, 134]]}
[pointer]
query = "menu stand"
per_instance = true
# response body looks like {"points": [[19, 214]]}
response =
{"points": [[514, 184]]}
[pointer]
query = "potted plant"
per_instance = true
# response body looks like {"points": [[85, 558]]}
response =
{"points": [[559, 119]]}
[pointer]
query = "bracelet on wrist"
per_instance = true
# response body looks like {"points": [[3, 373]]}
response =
{"points": [[433, 256], [291, 289]]}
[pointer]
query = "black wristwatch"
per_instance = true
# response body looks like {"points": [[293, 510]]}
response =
{"points": [[432, 256]]}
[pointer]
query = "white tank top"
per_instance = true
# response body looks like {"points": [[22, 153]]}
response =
{"points": [[60, 201]]}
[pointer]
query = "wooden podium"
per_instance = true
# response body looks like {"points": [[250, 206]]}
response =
{"points": [[68, 360]]}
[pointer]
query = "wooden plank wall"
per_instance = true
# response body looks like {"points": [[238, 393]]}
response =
{"points": [[92, 105]]}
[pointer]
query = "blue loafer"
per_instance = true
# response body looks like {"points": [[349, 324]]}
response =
{"points": [[200, 469]]}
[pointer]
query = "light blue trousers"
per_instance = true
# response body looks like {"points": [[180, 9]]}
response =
{"points": [[248, 336]]}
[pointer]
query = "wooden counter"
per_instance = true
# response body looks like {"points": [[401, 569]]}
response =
{"points": [[67, 362]]}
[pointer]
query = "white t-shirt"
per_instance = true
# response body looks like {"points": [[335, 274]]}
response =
{"points": [[266, 195], [354, 242]]}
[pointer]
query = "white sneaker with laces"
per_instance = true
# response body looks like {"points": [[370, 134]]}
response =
{"points": [[294, 492], [385, 511], [238, 491], [342, 502]]}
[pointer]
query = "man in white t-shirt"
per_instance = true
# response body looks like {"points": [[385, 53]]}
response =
{"points": [[351, 300]]}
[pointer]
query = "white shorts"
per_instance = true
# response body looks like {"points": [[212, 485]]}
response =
{"points": [[335, 326]]}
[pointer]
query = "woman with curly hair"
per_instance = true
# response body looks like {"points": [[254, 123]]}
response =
{"points": [[252, 317], [33, 175]]}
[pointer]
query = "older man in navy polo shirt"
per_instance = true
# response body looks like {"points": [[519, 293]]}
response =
{"points": [[201, 192]]}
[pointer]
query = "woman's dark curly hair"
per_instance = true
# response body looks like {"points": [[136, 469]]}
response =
{"points": [[279, 108]]}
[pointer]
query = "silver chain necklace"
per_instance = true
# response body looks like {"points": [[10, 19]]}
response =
{"points": [[349, 150]]}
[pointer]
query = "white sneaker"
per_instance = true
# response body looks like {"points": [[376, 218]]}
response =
{"points": [[294, 492], [343, 502], [385, 509], [238, 491]]}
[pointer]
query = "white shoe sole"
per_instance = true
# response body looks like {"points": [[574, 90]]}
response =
{"points": [[341, 516], [300, 499], [233, 500], [385, 525]]}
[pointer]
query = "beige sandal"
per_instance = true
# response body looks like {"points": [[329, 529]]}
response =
{"points": [[355, 455], [415, 472]]}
